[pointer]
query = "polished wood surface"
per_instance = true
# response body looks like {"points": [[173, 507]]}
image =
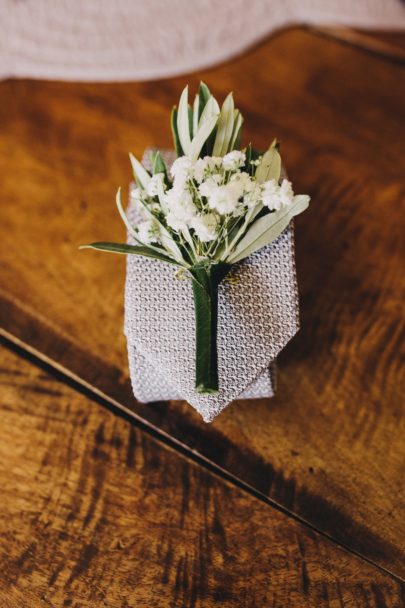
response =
{"points": [[329, 448], [116, 519]]}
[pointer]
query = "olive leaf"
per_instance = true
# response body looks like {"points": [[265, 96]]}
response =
{"points": [[270, 165], [196, 107], [175, 133], [203, 134], [237, 126], [267, 228], [183, 124], [203, 96], [225, 127], [141, 250], [140, 173]]}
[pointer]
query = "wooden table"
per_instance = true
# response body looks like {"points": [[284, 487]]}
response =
{"points": [[296, 501]]}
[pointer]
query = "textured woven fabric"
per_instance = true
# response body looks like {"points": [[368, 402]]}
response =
{"points": [[257, 316]]}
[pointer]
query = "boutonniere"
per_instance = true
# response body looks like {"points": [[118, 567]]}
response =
{"points": [[216, 205]]}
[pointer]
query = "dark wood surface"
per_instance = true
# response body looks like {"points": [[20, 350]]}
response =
{"points": [[329, 447], [96, 513]]}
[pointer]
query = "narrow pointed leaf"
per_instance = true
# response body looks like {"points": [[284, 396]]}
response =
{"points": [[236, 135], [202, 135], [158, 164], [170, 245], [211, 109], [270, 166], [225, 127], [183, 126], [196, 114], [203, 95], [267, 228], [176, 139], [141, 175], [141, 250], [123, 215]]}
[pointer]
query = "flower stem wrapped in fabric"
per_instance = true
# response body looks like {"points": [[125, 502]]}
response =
{"points": [[215, 206]]}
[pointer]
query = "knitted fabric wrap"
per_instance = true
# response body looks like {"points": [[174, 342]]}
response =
{"points": [[257, 316]]}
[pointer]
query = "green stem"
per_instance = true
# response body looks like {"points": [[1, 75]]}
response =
{"points": [[206, 279]]}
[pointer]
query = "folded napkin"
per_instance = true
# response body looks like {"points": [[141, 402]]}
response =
{"points": [[257, 316]]}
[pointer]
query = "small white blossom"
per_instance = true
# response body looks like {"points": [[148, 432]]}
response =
{"points": [[178, 224], [233, 160], [224, 199], [210, 184], [286, 193], [205, 226], [180, 170], [270, 195], [155, 183], [275, 197], [180, 202], [180, 208], [207, 166], [148, 231]]}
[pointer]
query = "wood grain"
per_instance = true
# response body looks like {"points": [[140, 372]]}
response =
{"points": [[95, 512], [330, 446]]}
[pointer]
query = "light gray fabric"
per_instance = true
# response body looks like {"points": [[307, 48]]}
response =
{"points": [[257, 316]]}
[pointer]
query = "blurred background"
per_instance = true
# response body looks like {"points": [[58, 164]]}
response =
{"points": [[108, 40]]}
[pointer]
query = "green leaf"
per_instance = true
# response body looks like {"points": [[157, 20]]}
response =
{"points": [[170, 245], [158, 164], [225, 127], [176, 139], [141, 175], [183, 125], [270, 165], [211, 109], [123, 215], [141, 250], [203, 96], [202, 135], [236, 135], [267, 228], [196, 114]]}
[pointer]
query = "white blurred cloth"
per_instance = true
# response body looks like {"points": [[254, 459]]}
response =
{"points": [[116, 40]]}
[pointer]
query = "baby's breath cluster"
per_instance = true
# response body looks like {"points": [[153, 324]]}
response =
{"points": [[203, 201]]}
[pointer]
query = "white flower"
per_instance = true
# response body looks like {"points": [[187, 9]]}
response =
{"points": [[180, 208], [148, 231], [210, 184], [205, 226], [155, 183], [206, 165], [180, 202], [225, 199], [274, 196], [176, 222], [233, 160], [286, 193], [253, 194], [270, 195], [180, 170], [199, 170]]}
